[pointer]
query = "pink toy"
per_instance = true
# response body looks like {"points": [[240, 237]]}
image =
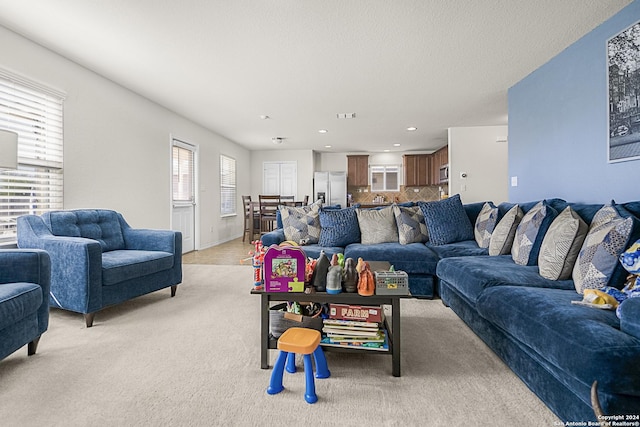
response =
{"points": [[284, 268]]}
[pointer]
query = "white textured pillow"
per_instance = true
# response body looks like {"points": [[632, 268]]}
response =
{"points": [[561, 245], [301, 224], [377, 225], [502, 236], [485, 224]]}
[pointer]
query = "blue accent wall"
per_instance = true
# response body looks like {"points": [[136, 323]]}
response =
{"points": [[558, 125]]}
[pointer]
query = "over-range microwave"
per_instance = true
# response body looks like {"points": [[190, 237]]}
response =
{"points": [[444, 173]]}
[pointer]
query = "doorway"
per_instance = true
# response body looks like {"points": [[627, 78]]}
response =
{"points": [[183, 199]]}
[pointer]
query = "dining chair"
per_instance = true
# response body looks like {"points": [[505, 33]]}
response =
{"points": [[251, 218], [287, 200], [268, 209]]}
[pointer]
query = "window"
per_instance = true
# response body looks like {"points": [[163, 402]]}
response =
{"points": [[34, 112], [183, 177], [385, 178], [227, 186]]}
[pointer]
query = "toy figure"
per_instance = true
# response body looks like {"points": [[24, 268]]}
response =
{"points": [[334, 279], [257, 262], [319, 279], [366, 281], [350, 276]]}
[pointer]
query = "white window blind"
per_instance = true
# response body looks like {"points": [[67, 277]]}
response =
{"points": [[227, 186], [35, 114], [183, 176]]}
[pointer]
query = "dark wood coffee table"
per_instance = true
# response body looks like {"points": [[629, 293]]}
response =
{"points": [[393, 331]]}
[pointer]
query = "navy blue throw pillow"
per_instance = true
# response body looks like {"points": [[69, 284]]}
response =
{"points": [[339, 227], [447, 221]]}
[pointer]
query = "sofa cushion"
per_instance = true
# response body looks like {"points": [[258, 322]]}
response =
{"points": [[472, 275], [504, 233], [339, 227], [447, 221], [464, 248], [561, 245], [97, 224], [485, 224], [583, 342], [301, 224], [531, 232], [411, 258], [17, 301], [411, 225], [118, 266], [607, 238], [629, 312], [377, 225], [313, 251]]}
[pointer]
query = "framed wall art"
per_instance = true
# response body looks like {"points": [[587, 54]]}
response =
{"points": [[623, 63]]}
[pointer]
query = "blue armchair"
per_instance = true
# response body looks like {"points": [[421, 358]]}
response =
{"points": [[24, 299], [98, 260]]}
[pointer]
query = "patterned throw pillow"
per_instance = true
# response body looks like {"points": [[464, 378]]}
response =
{"points": [[530, 232], [447, 221], [504, 233], [485, 224], [377, 226], [561, 245], [339, 227], [301, 224], [411, 225], [606, 240]]}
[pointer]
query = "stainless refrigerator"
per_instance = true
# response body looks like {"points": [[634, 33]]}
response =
{"points": [[331, 187]]}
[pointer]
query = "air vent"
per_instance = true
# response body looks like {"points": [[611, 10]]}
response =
{"points": [[346, 115]]}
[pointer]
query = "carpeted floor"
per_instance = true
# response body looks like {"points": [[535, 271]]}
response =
{"points": [[194, 360]]}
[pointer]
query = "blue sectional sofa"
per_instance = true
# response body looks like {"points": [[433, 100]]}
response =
{"points": [[24, 299], [556, 347], [98, 260]]}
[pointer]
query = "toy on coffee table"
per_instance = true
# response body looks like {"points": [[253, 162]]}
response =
{"points": [[257, 260], [284, 269]]}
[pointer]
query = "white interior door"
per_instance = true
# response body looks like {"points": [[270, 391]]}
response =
{"points": [[183, 192], [280, 178]]}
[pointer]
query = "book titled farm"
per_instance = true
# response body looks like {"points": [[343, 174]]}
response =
{"points": [[364, 313]]}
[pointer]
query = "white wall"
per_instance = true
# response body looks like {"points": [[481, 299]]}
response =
{"points": [[305, 168], [117, 145], [482, 153]]}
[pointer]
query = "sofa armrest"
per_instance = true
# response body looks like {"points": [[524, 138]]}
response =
{"points": [[153, 240], [629, 312], [31, 266], [76, 265], [274, 237]]}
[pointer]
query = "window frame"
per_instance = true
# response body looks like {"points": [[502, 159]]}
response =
{"points": [[385, 170]]}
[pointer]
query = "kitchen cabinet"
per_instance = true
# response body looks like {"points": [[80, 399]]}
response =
{"points": [[417, 170], [440, 158], [358, 171]]}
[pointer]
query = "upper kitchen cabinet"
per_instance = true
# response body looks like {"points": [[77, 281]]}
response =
{"points": [[417, 168], [358, 171], [440, 160]]}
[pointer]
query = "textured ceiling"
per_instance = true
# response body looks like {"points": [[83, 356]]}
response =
{"points": [[432, 64]]}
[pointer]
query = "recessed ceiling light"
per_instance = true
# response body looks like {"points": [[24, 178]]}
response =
{"points": [[386, 151], [276, 140], [396, 145], [264, 117], [412, 128], [323, 131], [327, 146]]}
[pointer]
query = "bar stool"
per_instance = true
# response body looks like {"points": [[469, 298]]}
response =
{"points": [[299, 341]]}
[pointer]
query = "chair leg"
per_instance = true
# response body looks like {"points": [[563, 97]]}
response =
{"points": [[174, 288], [88, 319], [291, 363], [32, 346], [322, 369], [310, 385], [275, 385]]}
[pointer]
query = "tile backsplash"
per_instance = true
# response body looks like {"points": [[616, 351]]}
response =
{"points": [[364, 195]]}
